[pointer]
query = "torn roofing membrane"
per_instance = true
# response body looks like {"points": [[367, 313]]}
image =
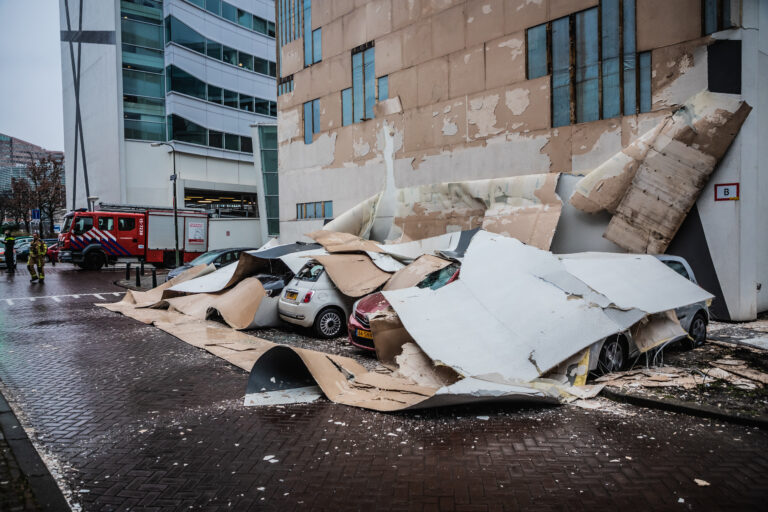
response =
{"points": [[506, 321]]}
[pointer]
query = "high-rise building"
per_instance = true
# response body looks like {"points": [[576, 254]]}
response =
{"points": [[192, 75], [15, 154], [495, 88]]}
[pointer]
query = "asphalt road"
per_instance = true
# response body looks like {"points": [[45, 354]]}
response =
{"points": [[129, 417]]}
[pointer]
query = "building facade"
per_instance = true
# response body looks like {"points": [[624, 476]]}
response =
{"points": [[16, 154], [192, 75], [493, 88]]}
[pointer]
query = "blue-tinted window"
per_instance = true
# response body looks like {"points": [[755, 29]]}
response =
{"points": [[262, 107], [230, 55], [181, 81], [244, 18], [328, 211], [645, 81], [229, 12], [358, 91], [370, 83], [187, 131], [231, 142], [181, 34], [142, 83], [586, 72], [142, 130], [308, 54], [143, 59], [317, 45], [260, 25], [537, 51], [214, 6], [611, 60], [215, 94], [561, 73], [213, 49], [315, 210], [629, 59], [231, 99], [311, 120], [139, 33], [245, 61], [383, 88], [246, 103]]}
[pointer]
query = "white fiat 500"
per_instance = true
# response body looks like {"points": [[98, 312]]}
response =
{"points": [[312, 300]]}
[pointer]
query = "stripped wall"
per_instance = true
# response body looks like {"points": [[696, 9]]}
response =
{"points": [[466, 111]]}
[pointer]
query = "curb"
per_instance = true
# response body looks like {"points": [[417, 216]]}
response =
{"points": [[43, 486], [703, 411]]}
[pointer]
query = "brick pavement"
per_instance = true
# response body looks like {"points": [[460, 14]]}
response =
{"points": [[138, 420]]}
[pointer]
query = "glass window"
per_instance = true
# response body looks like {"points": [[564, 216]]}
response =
{"points": [[328, 209], [181, 81], [215, 94], [261, 107], [231, 99], [215, 139], [271, 29], [83, 224], [358, 93], [229, 12], [272, 69], [246, 103], [230, 55], [214, 6], [245, 60], [246, 144], [561, 73], [645, 81], [677, 267], [710, 16], [610, 24], [346, 107], [586, 72], [308, 122], [317, 45], [629, 64], [143, 130], [232, 142], [273, 109], [307, 33], [181, 34], [268, 138], [107, 223], [142, 83], [142, 34], [315, 116], [187, 131], [143, 59], [310, 272], [537, 51], [370, 84], [126, 223], [383, 88], [260, 25], [244, 18], [213, 49], [199, 3], [260, 65]]}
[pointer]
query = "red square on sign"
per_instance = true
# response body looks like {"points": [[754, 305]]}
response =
{"points": [[726, 192]]}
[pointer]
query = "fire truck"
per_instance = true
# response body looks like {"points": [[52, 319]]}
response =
{"points": [[92, 239]]}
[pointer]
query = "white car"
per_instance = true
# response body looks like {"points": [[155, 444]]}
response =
{"points": [[312, 300]]}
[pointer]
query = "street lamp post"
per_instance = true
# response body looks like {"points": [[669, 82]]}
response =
{"points": [[175, 210]]}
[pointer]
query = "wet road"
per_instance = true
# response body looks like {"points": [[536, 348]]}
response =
{"points": [[132, 418]]}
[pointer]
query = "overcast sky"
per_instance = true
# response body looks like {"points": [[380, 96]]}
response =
{"points": [[30, 72]]}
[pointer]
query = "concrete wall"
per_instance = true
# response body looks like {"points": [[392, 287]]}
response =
{"points": [[100, 104]]}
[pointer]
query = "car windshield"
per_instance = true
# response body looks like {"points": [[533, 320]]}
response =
{"points": [[438, 278], [67, 225], [204, 259], [677, 267], [310, 272]]}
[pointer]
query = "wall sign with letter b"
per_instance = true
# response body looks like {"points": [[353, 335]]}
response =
{"points": [[726, 192]]}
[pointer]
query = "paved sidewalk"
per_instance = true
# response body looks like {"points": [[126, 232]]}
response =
{"points": [[136, 419]]}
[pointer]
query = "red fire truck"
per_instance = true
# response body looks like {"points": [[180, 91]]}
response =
{"points": [[92, 239]]}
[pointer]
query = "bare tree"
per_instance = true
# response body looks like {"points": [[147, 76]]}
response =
{"points": [[47, 189], [21, 201]]}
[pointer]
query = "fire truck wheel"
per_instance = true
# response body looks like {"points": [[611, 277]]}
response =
{"points": [[94, 260]]}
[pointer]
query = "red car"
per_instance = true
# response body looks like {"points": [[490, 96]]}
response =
{"points": [[359, 329], [53, 253]]}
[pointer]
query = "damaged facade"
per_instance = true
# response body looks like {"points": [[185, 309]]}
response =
{"points": [[479, 90]]}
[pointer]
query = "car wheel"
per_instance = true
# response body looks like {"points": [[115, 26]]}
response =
{"points": [[613, 355], [328, 323], [94, 261], [698, 330]]}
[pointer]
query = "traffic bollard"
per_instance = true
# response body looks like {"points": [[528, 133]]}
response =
{"points": [[142, 267], [154, 278], [127, 271], [138, 279]]}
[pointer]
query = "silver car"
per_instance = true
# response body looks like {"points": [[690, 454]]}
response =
{"points": [[312, 300], [613, 353]]}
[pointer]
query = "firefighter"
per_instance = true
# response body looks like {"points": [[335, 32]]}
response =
{"points": [[10, 256], [37, 251]]}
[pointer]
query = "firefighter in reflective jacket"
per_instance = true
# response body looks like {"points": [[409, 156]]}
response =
{"points": [[10, 260], [37, 252]]}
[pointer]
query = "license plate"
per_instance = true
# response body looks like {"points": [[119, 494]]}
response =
{"points": [[291, 295], [364, 334]]}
